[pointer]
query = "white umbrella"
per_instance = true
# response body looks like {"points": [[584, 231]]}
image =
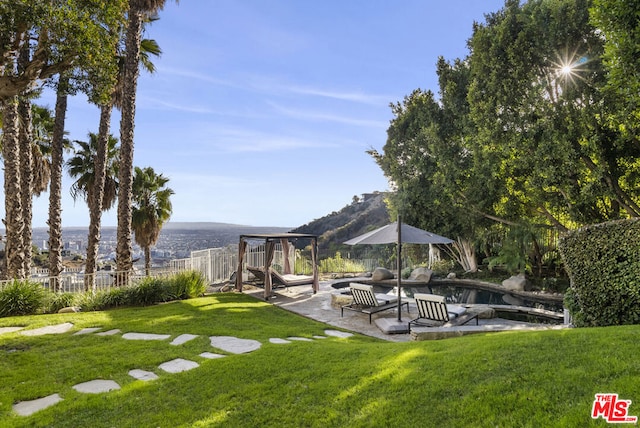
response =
{"points": [[405, 234]]}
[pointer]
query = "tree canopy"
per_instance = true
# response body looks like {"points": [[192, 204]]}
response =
{"points": [[520, 133], [61, 35]]}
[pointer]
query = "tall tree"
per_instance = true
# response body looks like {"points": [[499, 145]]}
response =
{"points": [[55, 189], [151, 209], [37, 41], [138, 9], [619, 22], [14, 222], [148, 48], [26, 163], [93, 163], [61, 34], [536, 97]]}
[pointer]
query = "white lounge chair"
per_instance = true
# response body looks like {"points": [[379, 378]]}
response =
{"points": [[433, 311], [368, 302]]}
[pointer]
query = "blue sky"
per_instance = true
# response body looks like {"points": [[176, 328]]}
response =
{"points": [[260, 111]]}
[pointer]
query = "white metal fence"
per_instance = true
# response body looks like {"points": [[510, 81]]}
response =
{"points": [[216, 264], [75, 282], [219, 264]]}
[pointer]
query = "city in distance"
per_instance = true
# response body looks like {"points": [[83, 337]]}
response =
{"points": [[176, 241]]}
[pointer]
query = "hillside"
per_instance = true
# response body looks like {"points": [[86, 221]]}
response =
{"points": [[354, 219]]}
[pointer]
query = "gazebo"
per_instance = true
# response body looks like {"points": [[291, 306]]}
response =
{"points": [[270, 243]]}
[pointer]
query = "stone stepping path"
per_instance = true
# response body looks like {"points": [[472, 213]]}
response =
{"points": [[234, 345], [145, 336], [178, 365], [50, 329], [229, 344], [183, 338], [96, 386], [142, 375], [4, 330]]}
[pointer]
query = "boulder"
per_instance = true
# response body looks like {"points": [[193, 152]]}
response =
{"points": [[452, 275], [515, 283], [421, 274], [380, 274], [69, 310]]}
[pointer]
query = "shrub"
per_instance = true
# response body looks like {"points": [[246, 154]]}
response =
{"points": [[150, 291], [603, 265], [339, 265], [104, 299], [53, 302], [442, 267], [188, 284], [21, 298]]}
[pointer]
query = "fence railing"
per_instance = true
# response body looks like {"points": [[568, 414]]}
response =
{"points": [[100, 281], [216, 264], [219, 264]]}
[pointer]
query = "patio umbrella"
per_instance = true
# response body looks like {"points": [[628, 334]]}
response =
{"points": [[405, 234]]}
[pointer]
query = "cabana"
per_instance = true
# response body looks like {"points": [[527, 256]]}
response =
{"points": [[270, 243]]}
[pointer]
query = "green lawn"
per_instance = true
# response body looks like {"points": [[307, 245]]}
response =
{"points": [[536, 379]]}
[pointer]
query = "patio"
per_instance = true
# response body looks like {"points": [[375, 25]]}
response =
{"points": [[323, 306]]}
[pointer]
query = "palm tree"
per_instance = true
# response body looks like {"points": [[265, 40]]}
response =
{"points": [[138, 10], [14, 222], [86, 169], [151, 209], [148, 47], [82, 167], [55, 189]]}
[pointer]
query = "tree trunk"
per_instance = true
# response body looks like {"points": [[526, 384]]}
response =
{"points": [[96, 196], [26, 179], [127, 123], [26, 164], [14, 223], [55, 189], [147, 260]]}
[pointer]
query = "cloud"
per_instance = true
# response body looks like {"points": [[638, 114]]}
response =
{"points": [[327, 117], [235, 140], [357, 97]]}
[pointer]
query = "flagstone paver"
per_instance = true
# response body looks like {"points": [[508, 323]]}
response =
{"points": [[279, 341], [319, 337], [337, 333], [145, 336], [96, 386], [211, 355], [49, 329], [234, 344], [183, 338], [178, 365], [300, 339], [27, 408], [4, 330], [142, 374], [87, 330], [109, 332]]}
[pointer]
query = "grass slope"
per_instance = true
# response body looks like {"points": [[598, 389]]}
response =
{"points": [[506, 380]]}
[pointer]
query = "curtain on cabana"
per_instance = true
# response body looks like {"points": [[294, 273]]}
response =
{"points": [[270, 241]]}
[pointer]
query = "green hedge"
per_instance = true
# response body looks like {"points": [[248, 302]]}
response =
{"points": [[603, 263]]}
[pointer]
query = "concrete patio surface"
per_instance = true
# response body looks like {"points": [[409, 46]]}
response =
{"points": [[301, 300]]}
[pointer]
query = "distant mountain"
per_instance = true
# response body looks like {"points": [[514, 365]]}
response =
{"points": [[359, 217]]}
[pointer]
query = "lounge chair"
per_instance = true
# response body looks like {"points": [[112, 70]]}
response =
{"points": [[280, 280], [433, 311], [368, 302]]}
